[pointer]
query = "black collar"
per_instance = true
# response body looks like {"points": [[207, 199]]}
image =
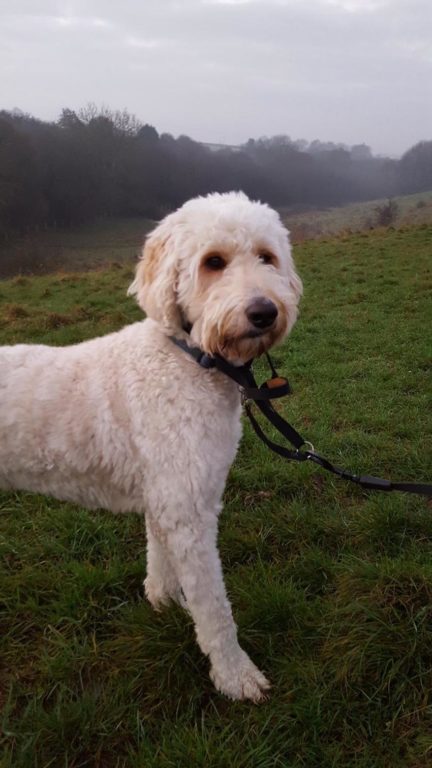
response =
{"points": [[241, 374]]}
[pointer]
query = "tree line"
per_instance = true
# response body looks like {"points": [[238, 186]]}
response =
{"points": [[102, 163]]}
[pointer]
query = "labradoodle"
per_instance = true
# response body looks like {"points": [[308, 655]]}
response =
{"points": [[130, 421]]}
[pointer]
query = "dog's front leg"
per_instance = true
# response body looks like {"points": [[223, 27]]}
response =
{"points": [[161, 583], [193, 553]]}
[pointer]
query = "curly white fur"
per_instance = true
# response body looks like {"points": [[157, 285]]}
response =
{"points": [[130, 422]]}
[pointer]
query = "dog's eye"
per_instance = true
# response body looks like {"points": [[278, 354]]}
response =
{"points": [[266, 257], [215, 262]]}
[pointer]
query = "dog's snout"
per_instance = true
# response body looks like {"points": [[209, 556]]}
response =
{"points": [[261, 312]]}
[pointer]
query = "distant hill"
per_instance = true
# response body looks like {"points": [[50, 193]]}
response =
{"points": [[357, 217], [120, 240]]}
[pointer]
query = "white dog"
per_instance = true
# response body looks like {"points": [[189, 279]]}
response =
{"points": [[130, 421]]}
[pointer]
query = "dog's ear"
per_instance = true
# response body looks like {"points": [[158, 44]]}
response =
{"points": [[296, 284], [294, 279], [156, 276]]}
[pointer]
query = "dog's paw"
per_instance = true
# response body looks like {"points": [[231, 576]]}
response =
{"points": [[242, 680]]}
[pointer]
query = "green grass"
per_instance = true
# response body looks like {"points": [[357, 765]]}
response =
{"points": [[98, 244], [412, 210], [119, 241], [331, 587]]}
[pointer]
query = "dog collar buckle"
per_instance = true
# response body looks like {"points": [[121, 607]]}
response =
{"points": [[205, 361]]}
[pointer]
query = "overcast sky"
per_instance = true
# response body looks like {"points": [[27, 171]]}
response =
{"points": [[225, 70]]}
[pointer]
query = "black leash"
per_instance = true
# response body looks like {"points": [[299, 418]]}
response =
{"points": [[276, 387]]}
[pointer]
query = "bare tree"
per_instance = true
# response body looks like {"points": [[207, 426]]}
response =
{"points": [[387, 213]]}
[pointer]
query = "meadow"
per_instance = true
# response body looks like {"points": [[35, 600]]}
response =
{"points": [[411, 210], [331, 586], [119, 241], [87, 247]]}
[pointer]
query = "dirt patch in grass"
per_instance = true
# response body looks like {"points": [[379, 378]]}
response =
{"points": [[13, 312]]}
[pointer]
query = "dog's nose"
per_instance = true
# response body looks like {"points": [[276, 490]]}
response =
{"points": [[261, 312]]}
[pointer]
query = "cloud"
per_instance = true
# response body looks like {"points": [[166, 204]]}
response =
{"points": [[80, 21], [228, 2], [224, 70], [140, 42], [360, 6]]}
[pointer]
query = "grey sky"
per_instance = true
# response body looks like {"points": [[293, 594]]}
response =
{"points": [[224, 70]]}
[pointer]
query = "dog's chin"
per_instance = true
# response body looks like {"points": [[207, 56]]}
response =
{"points": [[249, 345], [254, 334], [239, 344]]}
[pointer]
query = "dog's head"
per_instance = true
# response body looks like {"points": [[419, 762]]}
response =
{"points": [[221, 265]]}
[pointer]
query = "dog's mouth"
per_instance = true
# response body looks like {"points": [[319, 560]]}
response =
{"points": [[249, 344], [250, 335], [237, 340], [255, 333]]}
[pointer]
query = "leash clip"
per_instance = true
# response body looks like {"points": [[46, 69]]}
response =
{"points": [[308, 453]]}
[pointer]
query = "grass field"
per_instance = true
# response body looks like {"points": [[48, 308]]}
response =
{"points": [[99, 244], [119, 241], [331, 587], [412, 210]]}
